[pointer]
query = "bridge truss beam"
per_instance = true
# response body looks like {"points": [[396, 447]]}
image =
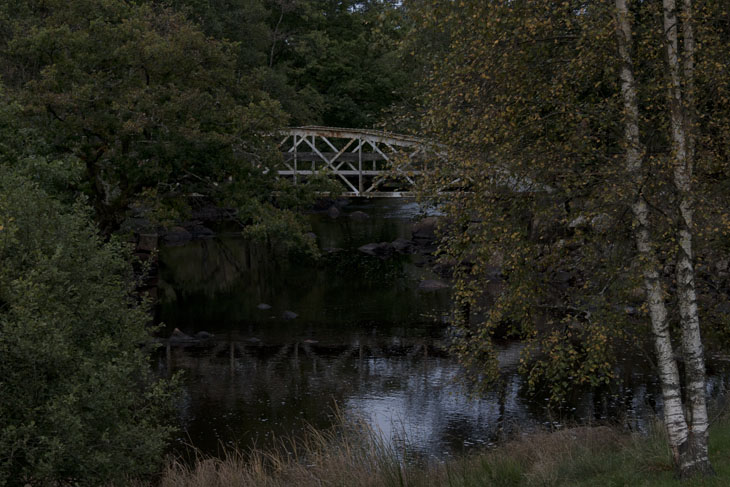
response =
{"points": [[367, 163]]}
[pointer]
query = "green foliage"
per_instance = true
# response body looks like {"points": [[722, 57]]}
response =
{"points": [[349, 57], [80, 405], [141, 97], [331, 63], [159, 101], [526, 95], [280, 229]]}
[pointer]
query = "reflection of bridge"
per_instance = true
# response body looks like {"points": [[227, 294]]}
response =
{"points": [[252, 350], [367, 162]]}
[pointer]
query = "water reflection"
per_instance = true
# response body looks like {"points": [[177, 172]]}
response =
{"points": [[243, 391], [365, 341]]}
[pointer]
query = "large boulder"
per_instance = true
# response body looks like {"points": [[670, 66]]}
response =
{"points": [[138, 224]]}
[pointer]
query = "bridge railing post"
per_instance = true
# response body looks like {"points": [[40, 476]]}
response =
{"points": [[359, 167], [296, 143]]}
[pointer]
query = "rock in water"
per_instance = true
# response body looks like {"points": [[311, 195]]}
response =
{"points": [[177, 236], [432, 285], [425, 230], [263, 306], [289, 315], [359, 215], [204, 335], [179, 336], [201, 231], [333, 212], [402, 246], [382, 249]]}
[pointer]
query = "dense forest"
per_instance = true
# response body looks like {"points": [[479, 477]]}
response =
{"points": [[588, 142], [115, 110]]}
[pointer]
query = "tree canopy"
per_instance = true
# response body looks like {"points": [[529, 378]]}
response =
{"points": [[80, 402], [327, 62], [531, 97], [153, 108]]}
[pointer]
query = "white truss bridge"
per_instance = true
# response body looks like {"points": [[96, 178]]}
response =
{"points": [[368, 163]]}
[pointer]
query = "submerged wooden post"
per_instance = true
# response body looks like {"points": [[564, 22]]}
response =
{"points": [[168, 356], [232, 357]]}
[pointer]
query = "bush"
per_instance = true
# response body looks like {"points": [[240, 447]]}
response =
{"points": [[79, 402]]}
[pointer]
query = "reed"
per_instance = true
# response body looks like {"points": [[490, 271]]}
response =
{"points": [[352, 454]]}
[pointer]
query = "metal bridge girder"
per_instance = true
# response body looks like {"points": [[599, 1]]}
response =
{"points": [[367, 162]]}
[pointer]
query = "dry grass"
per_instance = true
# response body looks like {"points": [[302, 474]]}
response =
{"points": [[536, 459], [351, 454], [354, 455]]}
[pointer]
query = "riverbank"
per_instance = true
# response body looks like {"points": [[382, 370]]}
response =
{"points": [[355, 455]]}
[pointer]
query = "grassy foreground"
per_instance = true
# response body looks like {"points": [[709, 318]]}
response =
{"points": [[354, 456]]}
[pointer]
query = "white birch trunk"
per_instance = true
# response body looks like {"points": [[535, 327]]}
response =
{"points": [[682, 121], [674, 418]]}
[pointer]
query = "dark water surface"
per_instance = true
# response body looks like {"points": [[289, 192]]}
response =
{"points": [[366, 342]]}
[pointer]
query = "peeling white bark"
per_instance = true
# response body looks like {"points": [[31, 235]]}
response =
{"points": [[674, 417], [683, 148]]}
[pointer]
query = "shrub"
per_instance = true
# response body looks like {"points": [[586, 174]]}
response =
{"points": [[79, 403]]}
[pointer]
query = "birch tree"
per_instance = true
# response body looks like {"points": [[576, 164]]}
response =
{"points": [[574, 130], [681, 104], [688, 444]]}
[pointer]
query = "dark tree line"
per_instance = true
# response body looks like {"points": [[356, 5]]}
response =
{"points": [[111, 109]]}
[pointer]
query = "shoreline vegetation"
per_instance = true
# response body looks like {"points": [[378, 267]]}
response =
{"points": [[352, 454], [580, 164]]}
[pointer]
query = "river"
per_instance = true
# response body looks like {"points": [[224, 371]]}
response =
{"points": [[366, 343]]}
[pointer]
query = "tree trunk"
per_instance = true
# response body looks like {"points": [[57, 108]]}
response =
{"points": [[274, 38], [682, 121], [668, 371]]}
